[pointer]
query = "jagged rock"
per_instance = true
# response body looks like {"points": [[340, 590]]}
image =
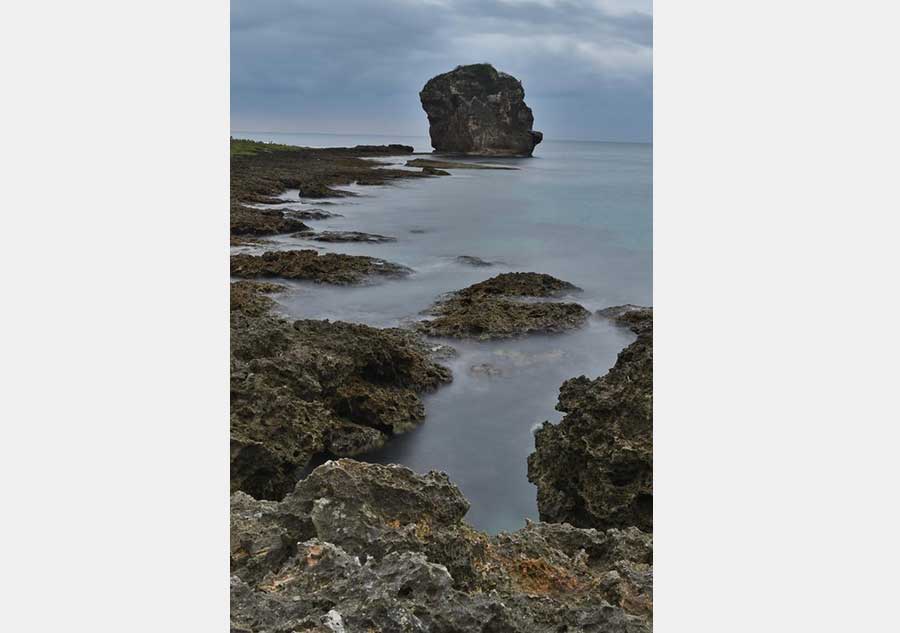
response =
{"points": [[434, 171], [250, 297], [302, 389], [477, 110], [595, 468], [499, 308], [249, 221], [332, 268], [364, 547], [344, 236]]}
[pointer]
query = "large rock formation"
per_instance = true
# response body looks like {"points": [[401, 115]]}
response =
{"points": [[595, 468], [363, 547], [477, 110]]}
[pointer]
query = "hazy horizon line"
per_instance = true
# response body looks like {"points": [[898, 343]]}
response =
{"points": [[546, 138]]}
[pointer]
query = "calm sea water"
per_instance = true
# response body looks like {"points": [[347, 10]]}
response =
{"points": [[580, 211]]}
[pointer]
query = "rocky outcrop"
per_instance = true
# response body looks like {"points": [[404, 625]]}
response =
{"points": [[595, 468], [309, 265], [508, 305], [307, 388], [477, 110], [363, 547], [261, 172]]}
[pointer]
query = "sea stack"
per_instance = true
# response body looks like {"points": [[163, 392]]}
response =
{"points": [[479, 111]]}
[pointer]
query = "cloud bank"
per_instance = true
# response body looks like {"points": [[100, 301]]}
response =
{"points": [[357, 66]]}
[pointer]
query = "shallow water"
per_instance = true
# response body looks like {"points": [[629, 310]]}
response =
{"points": [[578, 211]]}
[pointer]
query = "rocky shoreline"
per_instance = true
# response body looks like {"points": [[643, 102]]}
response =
{"points": [[364, 547], [595, 468], [352, 546], [305, 388]]}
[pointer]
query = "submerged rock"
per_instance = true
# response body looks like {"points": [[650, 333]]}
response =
{"points": [[485, 369], [470, 260], [430, 163], [344, 236], [332, 268], [477, 110], [595, 468], [364, 547], [498, 308], [309, 387]]}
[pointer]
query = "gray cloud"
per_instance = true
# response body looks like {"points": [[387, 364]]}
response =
{"points": [[357, 65]]}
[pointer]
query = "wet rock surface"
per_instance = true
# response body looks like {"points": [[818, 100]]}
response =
{"points": [[595, 468], [477, 110], [362, 547], [307, 264], [504, 307], [305, 388]]}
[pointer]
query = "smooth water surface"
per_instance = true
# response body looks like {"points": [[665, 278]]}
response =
{"points": [[580, 211]]}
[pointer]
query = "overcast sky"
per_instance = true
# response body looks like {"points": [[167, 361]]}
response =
{"points": [[357, 66]]}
